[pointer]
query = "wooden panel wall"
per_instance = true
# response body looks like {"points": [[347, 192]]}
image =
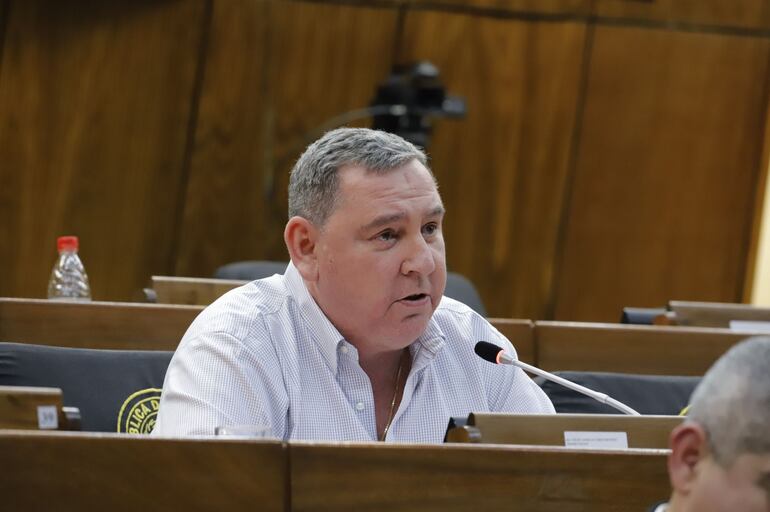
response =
{"points": [[502, 171], [610, 155], [669, 153], [95, 102], [273, 74], [714, 13], [538, 8]]}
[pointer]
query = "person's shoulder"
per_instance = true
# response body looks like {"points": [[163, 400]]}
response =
{"points": [[457, 320], [454, 315], [242, 309], [453, 309]]}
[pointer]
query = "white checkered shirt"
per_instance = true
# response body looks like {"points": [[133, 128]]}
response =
{"points": [[265, 354]]}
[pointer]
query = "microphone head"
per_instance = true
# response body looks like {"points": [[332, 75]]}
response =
{"points": [[487, 351]]}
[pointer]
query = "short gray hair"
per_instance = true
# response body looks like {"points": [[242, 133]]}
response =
{"points": [[314, 183], [732, 402]]}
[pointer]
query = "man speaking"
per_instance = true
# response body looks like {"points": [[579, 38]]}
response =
{"points": [[355, 342]]}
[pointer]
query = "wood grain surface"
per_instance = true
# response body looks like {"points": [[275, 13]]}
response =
{"points": [[103, 325], [119, 472], [191, 290], [630, 348], [116, 472], [549, 430], [521, 335], [464, 477], [752, 14], [662, 200], [273, 75], [715, 314], [611, 155], [511, 7], [19, 406], [502, 170], [94, 108]]}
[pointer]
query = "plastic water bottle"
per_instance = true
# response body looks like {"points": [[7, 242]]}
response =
{"points": [[69, 280]]}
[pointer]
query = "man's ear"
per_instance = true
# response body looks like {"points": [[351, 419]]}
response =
{"points": [[688, 447], [301, 238]]}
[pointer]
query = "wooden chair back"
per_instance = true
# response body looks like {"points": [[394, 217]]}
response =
{"points": [[109, 325], [654, 350], [715, 314], [520, 333], [191, 290], [33, 408]]}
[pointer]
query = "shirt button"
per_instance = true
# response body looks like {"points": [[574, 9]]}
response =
{"points": [[344, 349], [359, 406]]}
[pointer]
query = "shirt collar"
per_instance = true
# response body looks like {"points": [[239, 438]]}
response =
{"points": [[328, 338], [427, 345]]}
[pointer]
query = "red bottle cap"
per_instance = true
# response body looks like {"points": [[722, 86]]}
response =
{"points": [[67, 243]]}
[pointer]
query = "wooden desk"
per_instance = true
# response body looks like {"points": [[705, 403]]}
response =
{"points": [[80, 472], [715, 314], [191, 290], [449, 478], [95, 472], [548, 430], [30, 408], [654, 350], [110, 325]]}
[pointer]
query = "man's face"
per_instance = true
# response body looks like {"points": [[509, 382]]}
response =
{"points": [[380, 256], [744, 486], [702, 485]]}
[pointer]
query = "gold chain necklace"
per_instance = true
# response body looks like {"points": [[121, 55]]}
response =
{"points": [[395, 395]]}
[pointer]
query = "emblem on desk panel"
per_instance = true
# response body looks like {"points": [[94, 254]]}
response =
{"points": [[138, 413]]}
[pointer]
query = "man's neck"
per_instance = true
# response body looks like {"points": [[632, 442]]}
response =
{"points": [[380, 366]]}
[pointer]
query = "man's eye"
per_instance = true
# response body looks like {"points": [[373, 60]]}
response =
{"points": [[386, 236], [430, 229]]}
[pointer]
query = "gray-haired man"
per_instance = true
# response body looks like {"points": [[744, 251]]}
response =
{"points": [[355, 341], [720, 456]]}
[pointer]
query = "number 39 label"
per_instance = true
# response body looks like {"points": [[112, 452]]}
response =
{"points": [[47, 417]]}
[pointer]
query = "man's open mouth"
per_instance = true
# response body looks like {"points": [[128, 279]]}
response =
{"points": [[415, 297]]}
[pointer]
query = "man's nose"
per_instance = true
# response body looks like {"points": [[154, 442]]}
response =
{"points": [[419, 258]]}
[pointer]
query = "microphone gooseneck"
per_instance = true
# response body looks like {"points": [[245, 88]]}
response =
{"points": [[494, 354]]}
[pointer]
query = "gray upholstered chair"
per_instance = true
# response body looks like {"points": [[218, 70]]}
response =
{"points": [[641, 316], [648, 394], [115, 390]]}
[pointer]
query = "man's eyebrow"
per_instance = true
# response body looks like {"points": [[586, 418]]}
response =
{"points": [[393, 217], [437, 211], [382, 220]]}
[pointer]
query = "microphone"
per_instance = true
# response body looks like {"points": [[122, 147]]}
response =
{"points": [[494, 354]]}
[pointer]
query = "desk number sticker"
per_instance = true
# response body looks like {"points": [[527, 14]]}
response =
{"points": [[47, 417], [596, 440]]}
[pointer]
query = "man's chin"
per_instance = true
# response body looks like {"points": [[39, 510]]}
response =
{"points": [[412, 326]]}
